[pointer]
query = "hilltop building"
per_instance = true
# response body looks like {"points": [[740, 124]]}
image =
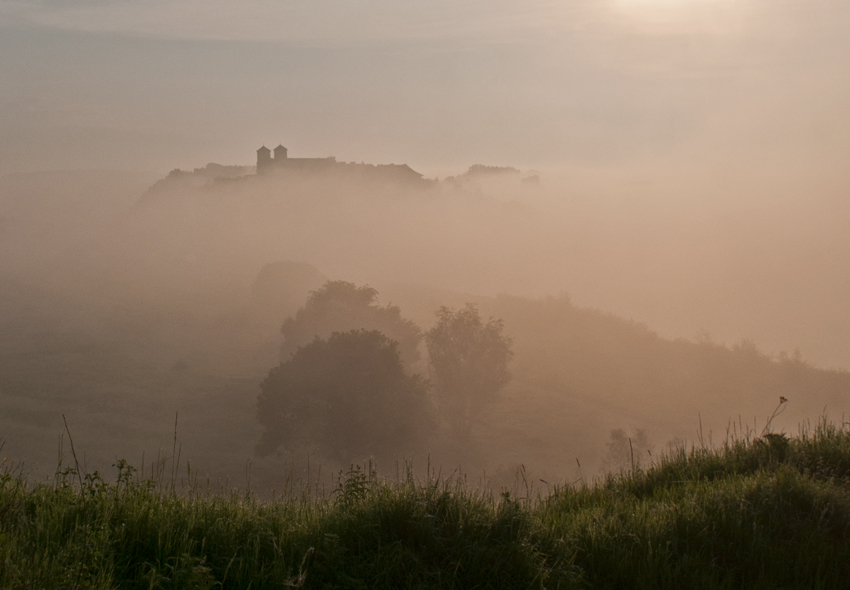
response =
{"points": [[280, 161], [266, 163]]}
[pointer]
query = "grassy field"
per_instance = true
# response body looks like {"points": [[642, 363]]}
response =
{"points": [[761, 512]]}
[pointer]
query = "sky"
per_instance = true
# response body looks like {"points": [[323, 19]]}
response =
{"points": [[154, 85]]}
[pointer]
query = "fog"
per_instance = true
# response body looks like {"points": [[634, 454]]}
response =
{"points": [[126, 302], [660, 218]]}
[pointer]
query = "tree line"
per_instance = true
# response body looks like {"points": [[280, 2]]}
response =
{"points": [[347, 383]]}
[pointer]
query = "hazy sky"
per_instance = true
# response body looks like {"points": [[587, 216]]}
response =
{"points": [[155, 84]]}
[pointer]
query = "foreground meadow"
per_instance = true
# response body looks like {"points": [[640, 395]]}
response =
{"points": [[760, 512]]}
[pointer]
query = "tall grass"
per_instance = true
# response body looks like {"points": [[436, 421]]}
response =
{"points": [[759, 512]]}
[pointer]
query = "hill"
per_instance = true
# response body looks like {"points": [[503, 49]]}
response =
{"points": [[120, 317], [766, 512], [120, 375]]}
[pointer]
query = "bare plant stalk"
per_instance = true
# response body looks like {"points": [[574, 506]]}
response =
{"points": [[778, 410], [73, 453], [174, 453]]}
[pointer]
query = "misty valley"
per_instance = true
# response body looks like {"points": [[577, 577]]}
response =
{"points": [[125, 308], [334, 346]]}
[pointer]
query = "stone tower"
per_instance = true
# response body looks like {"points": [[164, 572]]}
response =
{"points": [[264, 160]]}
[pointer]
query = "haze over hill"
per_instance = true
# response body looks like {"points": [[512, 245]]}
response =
{"points": [[651, 195], [171, 300]]}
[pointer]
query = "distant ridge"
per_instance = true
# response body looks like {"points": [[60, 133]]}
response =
{"points": [[276, 166]]}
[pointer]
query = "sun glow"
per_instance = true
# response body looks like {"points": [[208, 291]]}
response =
{"points": [[681, 16], [669, 4]]}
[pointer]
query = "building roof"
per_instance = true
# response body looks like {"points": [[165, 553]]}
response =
{"points": [[264, 148]]}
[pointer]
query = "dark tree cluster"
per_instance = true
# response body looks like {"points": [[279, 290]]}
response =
{"points": [[345, 388], [339, 306], [349, 393]]}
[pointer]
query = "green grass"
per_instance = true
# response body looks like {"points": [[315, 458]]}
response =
{"points": [[771, 512]]}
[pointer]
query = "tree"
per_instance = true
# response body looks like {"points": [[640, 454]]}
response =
{"points": [[469, 364], [348, 394], [338, 306]]}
